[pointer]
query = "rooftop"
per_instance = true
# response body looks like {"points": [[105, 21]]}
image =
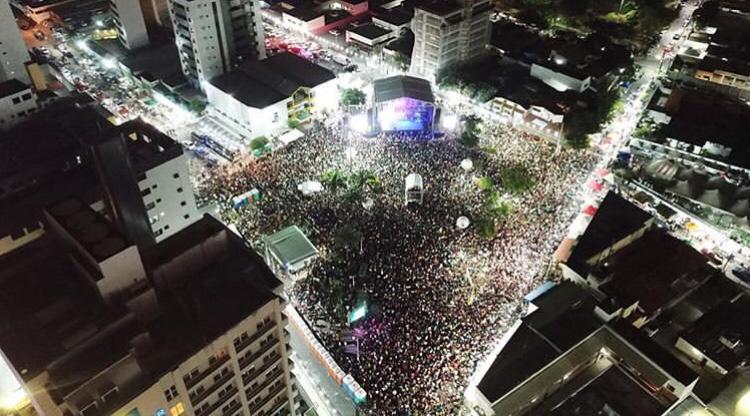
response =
{"points": [[615, 219], [259, 84], [12, 86], [438, 7], [655, 270], [402, 86], [395, 16], [305, 13], [154, 62], [564, 317], [698, 117], [290, 246], [207, 280], [89, 228], [723, 334], [45, 306], [612, 392], [370, 31]]}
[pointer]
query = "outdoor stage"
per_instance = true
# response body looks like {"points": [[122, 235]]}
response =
{"points": [[403, 104]]}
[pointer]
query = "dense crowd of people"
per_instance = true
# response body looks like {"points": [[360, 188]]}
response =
{"points": [[439, 295]]}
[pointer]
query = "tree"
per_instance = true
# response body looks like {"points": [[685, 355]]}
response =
{"points": [[468, 139], [353, 97], [496, 207], [259, 143], [485, 183], [347, 237], [335, 180], [486, 228], [197, 106], [516, 179]]}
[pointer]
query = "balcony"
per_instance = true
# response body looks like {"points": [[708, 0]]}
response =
{"points": [[261, 331], [235, 407], [196, 399], [190, 382], [218, 403], [245, 361], [273, 358], [272, 376], [254, 409], [280, 402]]}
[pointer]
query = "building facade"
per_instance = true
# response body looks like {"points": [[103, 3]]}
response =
{"points": [[205, 335], [448, 33], [130, 24], [213, 36], [17, 102], [13, 52], [266, 97]]}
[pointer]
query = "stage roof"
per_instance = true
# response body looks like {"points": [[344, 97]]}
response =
{"points": [[401, 86]]}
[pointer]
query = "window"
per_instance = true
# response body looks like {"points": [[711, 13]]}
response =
{"points": [[177, 409], [26, 97], [146, 191], [183, 203], [186, 216], [170, 393], [158, 232], [176, 175], [150, 205], [141, 177], [16, 100], [179, 190]]}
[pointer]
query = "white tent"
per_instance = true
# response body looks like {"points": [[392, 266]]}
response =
{"points": [[310, 187], [290, 136], [414, 189]]}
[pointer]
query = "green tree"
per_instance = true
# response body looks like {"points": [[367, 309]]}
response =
{"points": [[496, 207], [486, 228], [347, 237], [353, 97], [259, 143], [468, 139], [335, 180], [197, 106], [516, 179], [485, 183]]}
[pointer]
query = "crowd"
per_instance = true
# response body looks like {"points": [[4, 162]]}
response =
{"points": [[439, 295]]}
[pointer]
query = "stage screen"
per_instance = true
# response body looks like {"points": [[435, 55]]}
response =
{"points": [[405, 114]]}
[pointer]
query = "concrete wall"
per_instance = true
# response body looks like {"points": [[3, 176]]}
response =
{"points": [[17, 107], [171, 198], [558, 80]]}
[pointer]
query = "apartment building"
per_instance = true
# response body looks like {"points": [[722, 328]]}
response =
{"points": [[130, 23], [204, 335], [447, 33], [13, 52], [214, 36], [17, 102]]}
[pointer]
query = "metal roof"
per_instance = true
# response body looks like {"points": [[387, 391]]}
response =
{"points": [[290, 246], [400, 86]]}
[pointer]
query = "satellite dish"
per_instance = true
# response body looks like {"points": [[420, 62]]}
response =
{"points": [[467, 165], [462, 222]]}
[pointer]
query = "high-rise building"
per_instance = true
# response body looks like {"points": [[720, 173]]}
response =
{"points": [[213, 36], [447, 33], [13, 52], [83, 332], [39, 156], [156, 13], [131, 26]]}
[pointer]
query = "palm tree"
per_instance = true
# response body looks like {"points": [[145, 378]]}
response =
{"points": [[347, 237], [334, 179]]}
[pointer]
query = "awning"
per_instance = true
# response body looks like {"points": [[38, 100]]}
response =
{"points": [[291, 136]]}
